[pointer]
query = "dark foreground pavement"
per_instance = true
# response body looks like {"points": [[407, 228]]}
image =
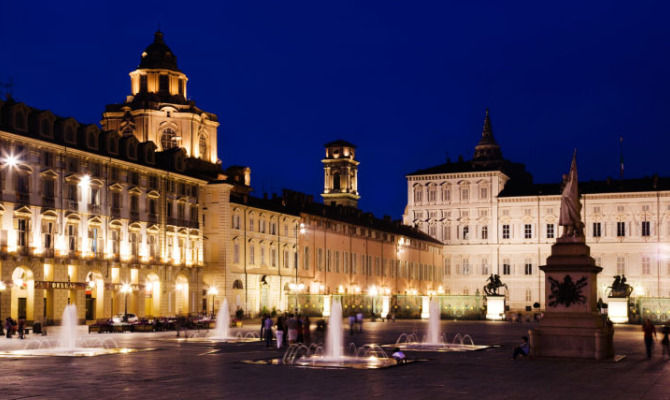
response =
{"points": [[191, 371]]}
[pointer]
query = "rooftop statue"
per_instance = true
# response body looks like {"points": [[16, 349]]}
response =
{"points": [[570, 218]]}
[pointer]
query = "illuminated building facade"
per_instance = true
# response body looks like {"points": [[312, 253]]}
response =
{"points": [[493, 219]]}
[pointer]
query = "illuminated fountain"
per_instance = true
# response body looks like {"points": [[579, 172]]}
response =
{"points": [[221, 332], [434, 340], [68, 343], [370, 356]]}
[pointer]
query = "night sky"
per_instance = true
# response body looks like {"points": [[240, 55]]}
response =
{"points": [[407, 82]]}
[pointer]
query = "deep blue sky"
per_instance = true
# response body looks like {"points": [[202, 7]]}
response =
{"points": [[407, 82]]}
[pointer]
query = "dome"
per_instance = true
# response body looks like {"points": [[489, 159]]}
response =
{"points": [[158, 55]]}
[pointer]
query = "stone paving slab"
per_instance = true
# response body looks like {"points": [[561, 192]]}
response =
{"points": [[186, 371]]}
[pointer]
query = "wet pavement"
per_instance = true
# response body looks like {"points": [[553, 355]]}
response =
{"points": [[183, 370]]}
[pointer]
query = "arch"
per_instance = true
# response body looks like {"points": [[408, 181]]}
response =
{"points": [[152, 293], [95, 295], [22, 293], [182, 291], [336, 181], [237, 284]]}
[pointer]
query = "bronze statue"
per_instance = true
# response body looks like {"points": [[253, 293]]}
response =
{"points": [[619, 287], [494, 283], [570, 217]]}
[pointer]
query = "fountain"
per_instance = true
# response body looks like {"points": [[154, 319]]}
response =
{"points": [[367, 357], [221, 332], [434, 341], [68, 343]]}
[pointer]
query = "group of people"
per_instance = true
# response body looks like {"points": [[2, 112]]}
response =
{"points": [[289, 329], [650, 335], [12, 326], [355, 320]]}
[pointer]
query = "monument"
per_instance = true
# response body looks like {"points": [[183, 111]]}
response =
{"points": [[495, 301], [571, 326]]}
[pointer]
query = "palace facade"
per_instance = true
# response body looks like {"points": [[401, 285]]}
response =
{"points": [[492, 218]]}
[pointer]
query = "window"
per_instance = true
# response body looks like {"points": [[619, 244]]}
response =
{"points": [[446, 232], [485, 232], [507, 268], [262, 255], [48, 184], [646, 268], [505, 231], [466, 266], [286, 260], [72, 237], [168, 139], [465, 194], [116, 238], [621, 229], [251, 224], [432, 194], [163, 83], [353, 263], [133, 243], [528, 268], [236, 253], [181, 87], [328, 260], [22, 227], [527, 231], [418, 194], [432, 230], [153, 247], [447, 266], [95, 196], [305, 259], [596, 229], [483, 193], [485, 267], [345, 262], [550, 231], [620, 265], [446, 194], [252, 255], [202, 146], [143, 83], [47, 232], [528, 295], [466, 232], [646, 228]]}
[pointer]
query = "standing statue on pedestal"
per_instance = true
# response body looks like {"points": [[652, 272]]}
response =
{"points": [[570, 218]]}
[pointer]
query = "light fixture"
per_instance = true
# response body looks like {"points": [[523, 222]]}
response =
{"points": [[2, 286], [212, 291], [126, 288], [11, 161], [85, 181]]}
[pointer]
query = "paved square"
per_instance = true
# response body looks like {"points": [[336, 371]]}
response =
{"points": [[196, 371]]}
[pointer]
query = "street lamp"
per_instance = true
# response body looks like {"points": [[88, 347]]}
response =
{"points": [[125, 289], [212, 291]]}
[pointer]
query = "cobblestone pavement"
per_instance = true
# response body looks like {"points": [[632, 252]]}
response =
{"points": [[187, 371]]}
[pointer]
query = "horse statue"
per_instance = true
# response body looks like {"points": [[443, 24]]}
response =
{"points": [[619, 287], [493, 285]]}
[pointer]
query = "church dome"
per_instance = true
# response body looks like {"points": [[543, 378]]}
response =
{"points": [[158, 55]]}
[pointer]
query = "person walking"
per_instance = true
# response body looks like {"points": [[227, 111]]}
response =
{"points": [[665, 342], [8, 327], [267, 327], [21, 328], [280, 331], [649, 336], [292, 325], [359, 320]]}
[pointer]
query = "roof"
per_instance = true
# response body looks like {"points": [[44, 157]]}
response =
{"points": [[646, 184], [515, 171], [296, 203], [158, 55], [340, 142]]}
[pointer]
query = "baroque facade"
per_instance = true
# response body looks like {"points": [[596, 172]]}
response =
{"points": [[103, 218], [492, 218]]}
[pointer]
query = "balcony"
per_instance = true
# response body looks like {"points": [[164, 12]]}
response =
{"points": [[116, 212], [153, 218], [134, 215], [23, 198], [95, 209], [72, 205]]}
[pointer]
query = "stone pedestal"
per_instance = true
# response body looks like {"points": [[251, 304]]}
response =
{"points": [[617, 309], [572, 326], [495, 307]]}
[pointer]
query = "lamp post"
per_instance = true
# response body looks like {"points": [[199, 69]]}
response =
{"points": [[125, 289], [212, 291]]}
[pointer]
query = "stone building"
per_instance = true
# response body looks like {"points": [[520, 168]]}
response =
{"points": [[103, 218], [492, 218]]}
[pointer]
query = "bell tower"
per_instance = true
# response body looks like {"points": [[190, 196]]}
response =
{"points": [[340, 179]]}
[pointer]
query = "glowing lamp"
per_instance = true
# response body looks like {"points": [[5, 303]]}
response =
{"points": [[212, 291]]}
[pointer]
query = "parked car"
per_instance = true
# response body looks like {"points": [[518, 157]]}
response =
{"points": [[128, 318]]}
